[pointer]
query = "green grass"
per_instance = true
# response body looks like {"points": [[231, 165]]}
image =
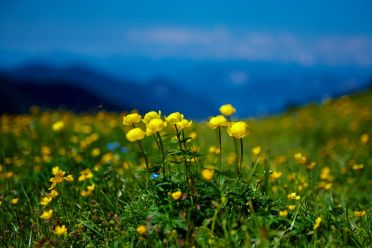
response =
{"points": [[332, 176]]}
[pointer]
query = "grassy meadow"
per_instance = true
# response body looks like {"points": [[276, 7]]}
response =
{"points": [[299, 179]]}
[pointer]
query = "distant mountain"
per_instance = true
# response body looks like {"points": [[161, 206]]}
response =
{"points": [[157, 94], [17, 96], [195, 87]]}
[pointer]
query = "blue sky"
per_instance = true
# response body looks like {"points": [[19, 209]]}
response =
{"points": [[305, 32]]}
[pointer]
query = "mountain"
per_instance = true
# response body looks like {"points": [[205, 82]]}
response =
{"points": [[17, 96], [196, 87], [156, 94]]}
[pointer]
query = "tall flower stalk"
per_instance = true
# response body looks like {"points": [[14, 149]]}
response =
{"points": [[216, 123], [238, 130]]}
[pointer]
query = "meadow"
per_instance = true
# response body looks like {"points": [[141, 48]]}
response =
{"points": [[299, 179]]}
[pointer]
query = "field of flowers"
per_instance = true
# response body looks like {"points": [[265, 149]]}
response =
{"points": [[95, 180]]}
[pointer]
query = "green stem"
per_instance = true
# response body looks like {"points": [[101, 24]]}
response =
{"points": [[220, 143], [241, 154], [162, 151], [145, 156], [178, 138], [181, 149], [236, 154]]}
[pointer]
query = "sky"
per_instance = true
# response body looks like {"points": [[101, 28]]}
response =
{"points": [[316, 32]]}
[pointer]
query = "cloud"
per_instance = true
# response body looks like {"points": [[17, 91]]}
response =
{"points": [[238, 77], [252, 46], [219, 43]]}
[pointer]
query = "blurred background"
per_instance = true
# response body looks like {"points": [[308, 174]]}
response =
{"points": [[190, 56]]}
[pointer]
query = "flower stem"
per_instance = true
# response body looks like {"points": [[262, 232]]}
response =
{"points": [[181, 149], [236, 154], [241, 154], [162, 152], [145, 156], [220, 143]]}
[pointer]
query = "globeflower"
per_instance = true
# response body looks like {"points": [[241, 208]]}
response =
{"points": [[131, 119], [238, 129], [58, 126], [293, 196], [317, 223], [183, 124], [141, 229], [150, 116], [89, 190], [46, 215], [174, 118], [176, 195], [135, 134], [256, 150], [291, 207], [45, 201], [207, 174], [60, 230], [85, 174], [359, 213], [154, 126], [275, 175], [227, 110], [14, 201], [283, 213], [217, 121], [53, 194]]}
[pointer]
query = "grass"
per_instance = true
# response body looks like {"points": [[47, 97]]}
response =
{"points": [[322, 153]]}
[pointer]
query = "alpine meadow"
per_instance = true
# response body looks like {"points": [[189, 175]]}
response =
{"points": [[299, 179]]}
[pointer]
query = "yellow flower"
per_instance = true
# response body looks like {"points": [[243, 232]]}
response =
{"points": [[174, 118], [193, 135], [14, 201], [53, 194], [217, 121], [359, 213], [283, 213], [227, 110], [95, 152], [91, 187], [275, 175], [155, 125], [135, 134], [85, 174], [183, 124], [358, 166], [151, 115], [46, 215], [291, 207], [176, 195], [141, 229], [69, 178], [56, 171], [213, 149], [293, 196], [256, 150], [238, 129], [364, 138], [317, 223], [130, 119], [300, 158], [311, 165], [207, 174], [89, 190], [45, 200], [60, 230], [58, 126]]}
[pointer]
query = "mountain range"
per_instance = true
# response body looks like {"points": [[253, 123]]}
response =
{"points": [[195, 88]]}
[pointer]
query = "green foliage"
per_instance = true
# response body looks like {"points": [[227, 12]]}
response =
{"points": [[320, 153]]}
